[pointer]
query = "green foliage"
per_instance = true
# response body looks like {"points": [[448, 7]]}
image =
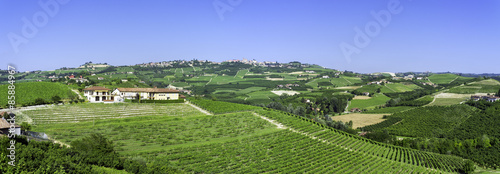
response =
{"points": [[376, 100], [433, 121], [468, 167], [388, 110], [47, 157], [25, 126], [96, 149], [31, 93]]}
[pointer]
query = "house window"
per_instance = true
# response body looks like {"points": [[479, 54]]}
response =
{"points": [[112, 98], [97, 98], [103, 97]]}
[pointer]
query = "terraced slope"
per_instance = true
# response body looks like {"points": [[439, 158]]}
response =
{"points": [[254, 141]]}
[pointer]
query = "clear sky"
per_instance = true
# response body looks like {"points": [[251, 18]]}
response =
{"points": [[405, 35]]}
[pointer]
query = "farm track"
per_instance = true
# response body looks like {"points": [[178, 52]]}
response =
{"points": [[76, 92], [198, 108]]}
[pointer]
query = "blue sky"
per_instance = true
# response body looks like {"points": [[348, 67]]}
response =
{"points": [[421, 35]]}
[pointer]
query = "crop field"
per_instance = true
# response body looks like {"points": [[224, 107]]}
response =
{"points": [[99, 111], [446, 101], [376, 100], [255, 141], [398, 87], [437, 120], [445, 78], [359, 119], [28, 92], [388, 110], [337, 82], [142, 134], [260, 96], [485, 86]]}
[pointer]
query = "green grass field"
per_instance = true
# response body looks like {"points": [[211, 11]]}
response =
{"points": [[445, 78], [388, 110], [484, 86], [28, 92], [398, 87], [376, 100]]}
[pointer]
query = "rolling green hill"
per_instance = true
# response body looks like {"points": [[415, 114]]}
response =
{"points": [[260, 141], [484, 86], [446, 78], [28, 92]]}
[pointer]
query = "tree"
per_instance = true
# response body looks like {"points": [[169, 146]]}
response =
{"points": [[39, 101], [468, 167], [25, 126], [56, 99], [498, 93]]}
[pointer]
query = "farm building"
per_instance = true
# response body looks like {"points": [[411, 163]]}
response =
{"points": [[147, 93], [5, 126], [356, 110], [487, 98], [97, 94]]}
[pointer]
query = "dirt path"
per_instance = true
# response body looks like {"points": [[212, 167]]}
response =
{"points": [[77, 93], [454, 79], [279, 125], [196, 107], [347, 80]]}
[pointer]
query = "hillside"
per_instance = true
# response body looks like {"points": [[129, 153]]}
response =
{"points": [[28, 92], [239, 142]]}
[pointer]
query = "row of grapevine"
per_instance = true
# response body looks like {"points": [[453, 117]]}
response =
{"points": [[219, 107], [347, 141], [281, 152]]}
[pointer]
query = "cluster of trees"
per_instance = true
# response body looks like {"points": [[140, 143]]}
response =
{"points": [[408, 98], [299, 110], [339, 125], [82, 157]]}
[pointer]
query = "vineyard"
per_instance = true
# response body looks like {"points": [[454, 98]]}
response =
{"points": [[92, 111], [238, 142], [219, 107], [139, 134], [389, 110], [27, 93], [432, 121]]}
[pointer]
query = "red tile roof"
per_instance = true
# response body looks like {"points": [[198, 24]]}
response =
{"points": [[93, 88], [165, 90]]}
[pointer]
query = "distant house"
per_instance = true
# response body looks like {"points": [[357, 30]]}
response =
{"points": [[100, 78], [147, 93], [124, 80], [366, 93], [356, 110], [487, 98], [493, 99], [97, 94], [325, 77]]}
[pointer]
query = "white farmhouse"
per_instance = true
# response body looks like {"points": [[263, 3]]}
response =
{"points": [[147, 93], [97, 94]]}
